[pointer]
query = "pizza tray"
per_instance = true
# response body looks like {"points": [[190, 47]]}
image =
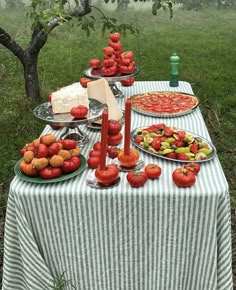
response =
{"points": [[165, 115]]}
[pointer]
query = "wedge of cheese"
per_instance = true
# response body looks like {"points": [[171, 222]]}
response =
{"points": [[68, 97], [101, 91]]}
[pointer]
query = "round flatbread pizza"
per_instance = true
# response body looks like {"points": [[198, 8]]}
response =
{"points": [[164, 104]]}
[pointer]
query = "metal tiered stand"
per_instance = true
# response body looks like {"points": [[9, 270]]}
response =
{"points": [[96, 74], [71, 131]]}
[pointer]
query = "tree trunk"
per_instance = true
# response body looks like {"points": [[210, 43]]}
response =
{"points": [[32, 87]]}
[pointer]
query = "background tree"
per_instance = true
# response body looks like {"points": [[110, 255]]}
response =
{"points": [[122, 5], [13, 4], [47, 15]]}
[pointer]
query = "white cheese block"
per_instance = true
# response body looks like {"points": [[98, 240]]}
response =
{"points": [[68, 97], [101, 91]]}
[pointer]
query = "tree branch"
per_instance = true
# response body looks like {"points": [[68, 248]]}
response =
{"points": [[39, 37], [83, 9], [9, 43]]}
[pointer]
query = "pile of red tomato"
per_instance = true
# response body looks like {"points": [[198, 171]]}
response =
{"points": [[49, 158], [115, 61]]}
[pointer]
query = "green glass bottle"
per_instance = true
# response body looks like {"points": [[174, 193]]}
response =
{"points": [[174, 72]]}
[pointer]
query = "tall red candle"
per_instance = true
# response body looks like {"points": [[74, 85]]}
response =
{"points": [[104, 139], [127, 126]]}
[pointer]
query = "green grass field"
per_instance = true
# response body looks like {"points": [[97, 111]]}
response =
{"points": [[204, 40]]}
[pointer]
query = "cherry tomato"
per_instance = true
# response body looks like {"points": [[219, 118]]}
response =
{"points": [[138, 139], [193, 167], [112, 56], [152, 170], [127, 82], [117, 53], [181, 134], [171, 155], [136, 179], [71, 164], [41, 151], [93, 162], [27, 168], [113, 151], [109, 71], [182, 156], [50, 98], [114, 127], [108, 175], [114, 36], [127, 54], [156, 143], [95, 63], [97, 145], [27, 147], [84, 82], [179, 143], [79, 112], [47, 139], [68, 144], [168, 132], [125, 61], [53, 149], [95, 153], [114, 139], [108, 50], [127, 69], [108, 62], [116, 45], [194, 148], [50, 172], [183, 178]]}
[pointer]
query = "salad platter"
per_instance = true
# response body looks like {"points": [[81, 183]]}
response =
{"points": [[164, 104], [173, 144]]}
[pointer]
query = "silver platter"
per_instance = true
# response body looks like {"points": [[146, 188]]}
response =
{"points": [[96, 74], [44, 113], [211, 146], [152, 114]]}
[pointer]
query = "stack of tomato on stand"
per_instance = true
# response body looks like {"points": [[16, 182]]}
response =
{"points": [[49, 158], [115, 62]]}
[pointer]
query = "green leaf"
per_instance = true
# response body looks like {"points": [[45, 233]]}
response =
{"points": [[114, 20]]}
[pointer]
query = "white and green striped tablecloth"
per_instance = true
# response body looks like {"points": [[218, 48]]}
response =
{"points": [[157, 237]]}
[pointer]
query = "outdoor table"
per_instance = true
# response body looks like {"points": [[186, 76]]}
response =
{"points": [[157, 237]]}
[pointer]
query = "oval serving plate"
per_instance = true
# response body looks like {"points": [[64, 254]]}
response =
{"points": [[38, 179], [153, 103], [96, 126], [135, 133]]}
